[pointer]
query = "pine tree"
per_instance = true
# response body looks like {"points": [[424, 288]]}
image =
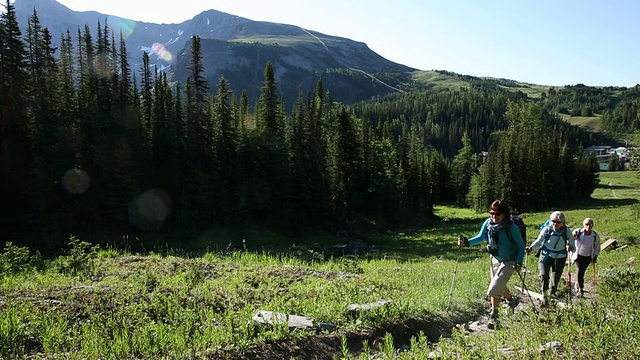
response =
{"points": [[199, 141], [146, 95], [44, 119], [301, 165], [68, 107], [227, 137], [14, 129], [198, 118], [269, 116], [463, 168]]}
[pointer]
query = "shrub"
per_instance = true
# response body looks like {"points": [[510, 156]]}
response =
{"points": [[79, 259], [15, 259]]}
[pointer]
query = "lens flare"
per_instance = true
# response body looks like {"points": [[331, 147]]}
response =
{"points": [[119, 25], [76, 181], [150, 209], [161, 51]]}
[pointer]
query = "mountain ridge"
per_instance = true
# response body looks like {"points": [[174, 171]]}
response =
{"points": [[350, 69]]}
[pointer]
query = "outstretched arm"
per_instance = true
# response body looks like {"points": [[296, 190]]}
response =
{"points": [[539, 240], [482, 234]]}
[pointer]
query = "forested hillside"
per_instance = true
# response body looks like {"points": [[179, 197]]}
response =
{"points": [[87, 146]]}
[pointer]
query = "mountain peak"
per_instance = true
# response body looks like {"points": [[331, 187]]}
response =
{"points": [[42, 6], [237, 48]]}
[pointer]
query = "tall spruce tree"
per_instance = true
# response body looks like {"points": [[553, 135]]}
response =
{"points": [[265, 154], [463, 167], [68, 107], [199, 142], [43, 110], [14, 127], [227, 163]]}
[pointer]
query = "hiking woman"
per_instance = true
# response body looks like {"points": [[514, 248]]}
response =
{"points": [[555, 240], [505, 244], [587, 250]]}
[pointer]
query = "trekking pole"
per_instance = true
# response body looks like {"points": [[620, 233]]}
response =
{"points": [[524, 288], [568, 280], [526, 269], [453, 280], [594, 274]]}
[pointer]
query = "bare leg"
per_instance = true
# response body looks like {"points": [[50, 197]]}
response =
{"points": [[506, 294], [495, 302]]}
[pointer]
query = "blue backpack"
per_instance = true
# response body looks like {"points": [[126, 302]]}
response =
{"points": [[545, 225]]}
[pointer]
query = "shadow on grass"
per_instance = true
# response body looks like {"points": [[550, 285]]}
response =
{"points": [[614, 187], [433, 237], [599, 204]]}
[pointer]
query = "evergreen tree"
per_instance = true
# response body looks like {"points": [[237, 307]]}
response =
{"points": [[198, 107], [463, 168], [265, 154], [14, 127], [199, 141], [227, 137], [68, 106], [146, 95], [43, 110], [125, 92]]}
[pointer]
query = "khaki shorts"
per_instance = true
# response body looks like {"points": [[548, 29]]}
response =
{"points": [[501, 277]]}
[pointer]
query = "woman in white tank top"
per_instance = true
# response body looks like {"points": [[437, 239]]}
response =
{"points": [[587, 250]]}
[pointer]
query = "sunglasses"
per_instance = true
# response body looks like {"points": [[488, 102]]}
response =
{"points": [[556, 221], [587, 224], [492, 213]]}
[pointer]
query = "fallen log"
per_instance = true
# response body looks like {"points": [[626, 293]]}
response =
{"points": [[540, 297], [271, 318], [611, 242]]}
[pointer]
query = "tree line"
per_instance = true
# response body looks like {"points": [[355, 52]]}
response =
{"points": [[89, 143]]}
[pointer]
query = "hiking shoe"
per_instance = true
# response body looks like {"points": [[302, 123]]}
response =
{"points": [[493, 321], [545, 300], [494, 314], [513, 301]]}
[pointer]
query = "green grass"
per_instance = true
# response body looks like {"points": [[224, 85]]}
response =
{"points": [[116, 305], [439, 81], [590, 123]]}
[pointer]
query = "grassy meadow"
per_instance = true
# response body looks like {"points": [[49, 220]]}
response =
{"points": [[105, 303]]}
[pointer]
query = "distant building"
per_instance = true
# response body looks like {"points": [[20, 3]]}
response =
{"points": [[604, 166], [598, 150], [622, 152], [603, 155]]}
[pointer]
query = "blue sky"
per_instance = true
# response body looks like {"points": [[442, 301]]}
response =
{"points": [[561, 42]]}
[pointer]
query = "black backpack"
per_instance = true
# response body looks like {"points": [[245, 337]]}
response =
{"points": [[515, 219], [521, 226]]}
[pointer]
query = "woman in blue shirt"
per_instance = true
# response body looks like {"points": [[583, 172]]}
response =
{"points": [[505, 244]]}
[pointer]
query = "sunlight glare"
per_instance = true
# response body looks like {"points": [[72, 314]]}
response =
{"points": [[150, 209], [161, 51], [76, 181]]}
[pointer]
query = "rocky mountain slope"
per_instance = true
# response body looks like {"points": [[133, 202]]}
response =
{"points": [[238, 49]]}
